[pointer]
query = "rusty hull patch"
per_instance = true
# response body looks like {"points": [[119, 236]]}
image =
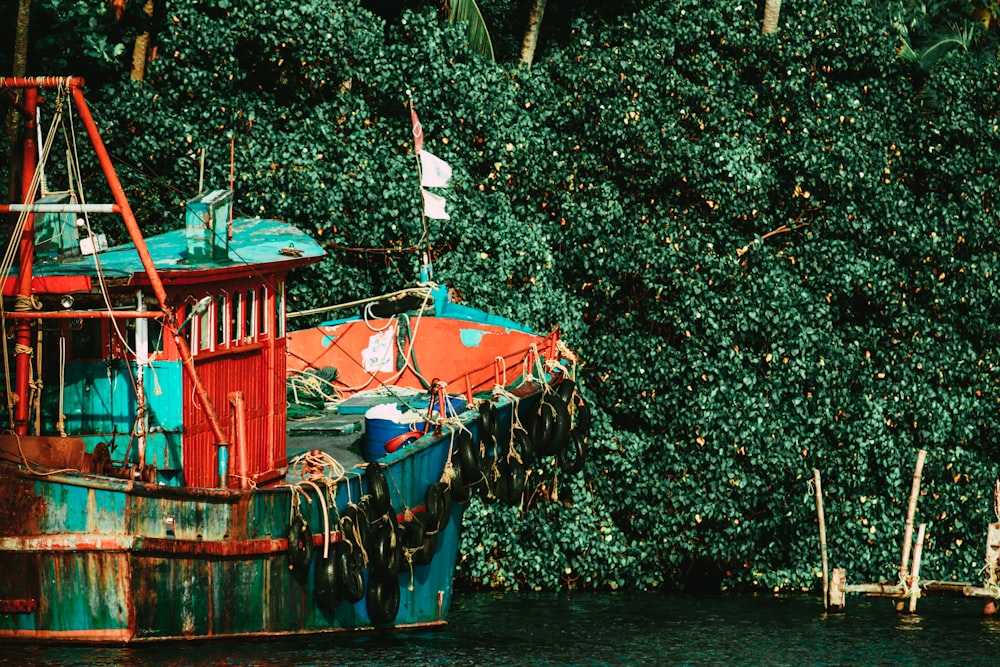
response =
{"points": [[21, 506]]}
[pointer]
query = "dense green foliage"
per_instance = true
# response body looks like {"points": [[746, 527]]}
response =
{"points": [[774, 253]]}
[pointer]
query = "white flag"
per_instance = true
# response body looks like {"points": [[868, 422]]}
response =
{"points": [[434, 172], [434, 206]]}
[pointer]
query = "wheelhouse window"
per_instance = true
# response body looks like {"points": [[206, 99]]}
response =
{"points": [[221, 318], [206, 329], [236, 318], [250, 316], [279, 311], [263, 321]]}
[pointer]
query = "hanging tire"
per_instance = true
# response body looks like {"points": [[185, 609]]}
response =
{"points": [[489, 420], [566, 389], [572, 458], [550, 426], [387, 554], [438, 502], [378, 487], [349, 571], [354, 525], [383, 599], [300, 544], [511, 486], [468, 452], [428, 542], [581, 416], [523, 446], [413, 534], [328, 581], [460, 493]]}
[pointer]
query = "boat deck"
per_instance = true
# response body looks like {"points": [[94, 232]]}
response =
{"points": [[340, 436]]}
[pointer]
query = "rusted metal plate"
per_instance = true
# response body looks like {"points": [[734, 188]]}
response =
{"points": [[20, 506], [45, 451], [26, 606]]}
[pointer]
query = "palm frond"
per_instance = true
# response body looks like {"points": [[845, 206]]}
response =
{"points": [[478, 35]]}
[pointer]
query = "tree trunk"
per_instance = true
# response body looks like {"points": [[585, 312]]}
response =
{"points": [[772, 10], [140, 52], [531, 36], [19, 67]]}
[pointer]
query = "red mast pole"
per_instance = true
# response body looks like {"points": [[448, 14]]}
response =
{"points": [[26, 258], [170, 319]]}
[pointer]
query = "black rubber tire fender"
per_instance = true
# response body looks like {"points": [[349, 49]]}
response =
{"points": [[328, 581], [516, 477], [428, 543], [349, 571], [550, 426], [489, 420], [386, 555], [383, 599], [468, 453], [560, 432], [523, 446], [566, 389], [572, 458], [540, 428], [300, 544], [437, 500], [378, 487], [460, 493], [355, 526]]}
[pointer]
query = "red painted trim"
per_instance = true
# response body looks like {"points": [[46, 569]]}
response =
{"points": [[50, 284], [81, 314], [26, 606], [113, 636], [42, 82], [143, 545]]}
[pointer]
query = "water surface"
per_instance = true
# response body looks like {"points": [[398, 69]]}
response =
{"points": [[591, 629]]}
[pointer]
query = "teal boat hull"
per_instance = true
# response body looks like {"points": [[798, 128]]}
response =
{"points": [[107, 560]]}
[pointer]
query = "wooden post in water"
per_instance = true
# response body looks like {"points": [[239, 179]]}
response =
{"points": [[818, 483], [904, 563], [990, 574], [992, 553], [837, 595], [913, 583]]}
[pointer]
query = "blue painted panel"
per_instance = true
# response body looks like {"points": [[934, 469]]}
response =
{"points": [[80, 509], [164, 384], [98, 398], [66, 509]]}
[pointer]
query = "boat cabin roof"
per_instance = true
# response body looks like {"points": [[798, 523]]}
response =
{"points": [[255, 243]]}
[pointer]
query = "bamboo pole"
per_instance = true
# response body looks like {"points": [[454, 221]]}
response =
{"points": [[904, 563], [914, 581], [883, 589], [818, 483], [838, 586], [992, 553]]}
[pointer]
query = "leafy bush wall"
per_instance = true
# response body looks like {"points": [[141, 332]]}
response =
{"points": [[774, 253]]}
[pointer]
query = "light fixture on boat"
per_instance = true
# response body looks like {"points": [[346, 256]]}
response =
{"points": [[199, 308], [66, 301]]}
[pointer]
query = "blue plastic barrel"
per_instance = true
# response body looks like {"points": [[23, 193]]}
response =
{"points": [[380, 431]]}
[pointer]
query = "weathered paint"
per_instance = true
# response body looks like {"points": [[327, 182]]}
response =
{"points": [[94, 558], [224, 572], [441, 350]]}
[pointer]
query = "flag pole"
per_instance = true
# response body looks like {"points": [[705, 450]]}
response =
{"points": [[426, 266]]}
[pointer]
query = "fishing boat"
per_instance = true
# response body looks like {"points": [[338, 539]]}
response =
{"points": [[176, 463]]}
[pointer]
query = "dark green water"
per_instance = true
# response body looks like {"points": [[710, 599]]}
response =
{"points": [[590, 629]]}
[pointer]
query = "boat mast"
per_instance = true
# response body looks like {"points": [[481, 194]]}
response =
{"points": [[75, 86], [26, 259], [169, 316]]}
